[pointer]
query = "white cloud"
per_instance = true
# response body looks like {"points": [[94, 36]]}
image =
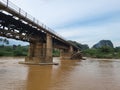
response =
{"points": [[56, 12]]}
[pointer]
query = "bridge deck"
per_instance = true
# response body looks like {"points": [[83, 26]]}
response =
{"points": [[21, 14], [26, 19]]}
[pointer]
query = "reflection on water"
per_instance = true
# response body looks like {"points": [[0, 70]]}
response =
{"points": [[90, 74]]}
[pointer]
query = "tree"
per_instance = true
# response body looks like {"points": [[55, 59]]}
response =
{"points": [[1, 39], [4, 41], [106, 49]]}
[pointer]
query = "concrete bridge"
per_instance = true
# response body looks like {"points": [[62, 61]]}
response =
{"points": [[18, 24]]}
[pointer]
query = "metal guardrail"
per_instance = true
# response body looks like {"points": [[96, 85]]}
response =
{"points": [[12, 6]]}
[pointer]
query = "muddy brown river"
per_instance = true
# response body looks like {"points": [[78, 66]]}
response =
{"points": [[90, 74]]}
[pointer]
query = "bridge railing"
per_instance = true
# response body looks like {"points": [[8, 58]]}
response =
{"points": [[15, 8]]}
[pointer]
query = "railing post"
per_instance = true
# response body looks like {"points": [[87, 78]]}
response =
{"points": [[19, 10], [7, 2], [26, 15], [37, 22], [33, 19]]}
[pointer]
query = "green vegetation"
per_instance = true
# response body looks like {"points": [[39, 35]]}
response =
{"points": [[56, 53], [103, 49], [4, 41], [103, 52], [13, 50]]}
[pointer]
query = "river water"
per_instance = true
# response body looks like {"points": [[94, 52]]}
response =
{"points": [[90, 74]]}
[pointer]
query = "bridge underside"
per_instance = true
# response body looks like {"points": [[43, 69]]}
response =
{"points": [[41, 43], [41, 40], [16, 29]]}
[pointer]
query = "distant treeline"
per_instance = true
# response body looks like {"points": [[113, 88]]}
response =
{"points": [[103, 52], [15, 50], [103, 49]]}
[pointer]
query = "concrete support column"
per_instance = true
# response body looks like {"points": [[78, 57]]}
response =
{"points": [[71, 49], [44, 49], [38, 50], [31, 50], [71, 54], [35, 53], [66, 54], [30, 56], [49, 49]]}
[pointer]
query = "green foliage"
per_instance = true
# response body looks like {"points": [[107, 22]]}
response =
{"points": [[90, 52], [4, 41], [11, 51], [106, 49], [117, 49], [56, 53], [20, 51], [103, 52]]}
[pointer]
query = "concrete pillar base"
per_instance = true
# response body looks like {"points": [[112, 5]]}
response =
{"points": [[32, 63], [65, 56], [49, 59], [39, 59], [71, 56]]}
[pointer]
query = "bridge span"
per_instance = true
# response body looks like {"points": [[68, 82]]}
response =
{"points": [[17, 24]]}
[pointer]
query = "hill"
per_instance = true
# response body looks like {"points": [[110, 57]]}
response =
{"points": [[103, 43]]}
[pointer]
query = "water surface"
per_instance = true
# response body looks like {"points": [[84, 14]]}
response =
{"points": [[90, 74]]}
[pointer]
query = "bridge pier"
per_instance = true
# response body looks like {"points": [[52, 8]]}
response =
{"points": [[66, 54], [49, 48], [35, 53], [40, 52], [70, 54]]}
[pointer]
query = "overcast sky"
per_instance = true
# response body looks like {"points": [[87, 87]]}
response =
{"points": [[84, 21]]}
